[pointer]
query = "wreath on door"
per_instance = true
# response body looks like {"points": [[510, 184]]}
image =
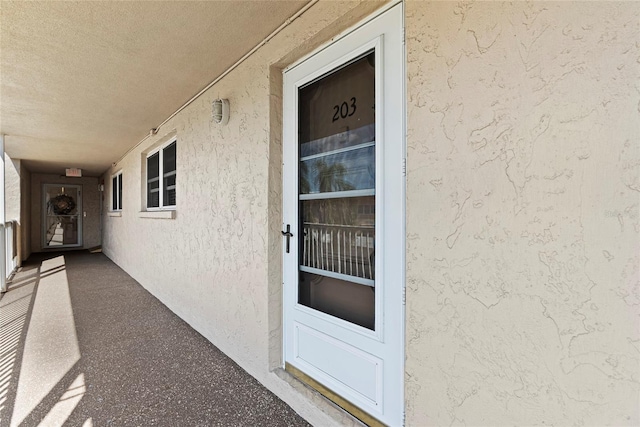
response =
{"points": [[62, 204]]}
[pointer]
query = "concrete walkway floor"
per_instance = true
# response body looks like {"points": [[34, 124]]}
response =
{"points": [[83, 344]]}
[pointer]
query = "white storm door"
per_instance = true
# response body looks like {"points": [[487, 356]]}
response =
{"points": [[344, 217], [61, 216]]}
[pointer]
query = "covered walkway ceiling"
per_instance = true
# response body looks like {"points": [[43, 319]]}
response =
{"points": [[82, 82]]}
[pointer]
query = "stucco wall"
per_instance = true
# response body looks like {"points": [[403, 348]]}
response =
{"points": [[12, 188], [210, 264], [522, 222], [12, 200], [90, 205], [25, 212], [522, 202]]}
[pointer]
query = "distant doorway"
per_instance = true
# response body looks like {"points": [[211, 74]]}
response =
{"points": [[62, 219]]}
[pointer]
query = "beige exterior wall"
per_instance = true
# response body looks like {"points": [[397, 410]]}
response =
{"points": [[25, 212], [522, 202], [12, 189], [90, 205], [210, 264], [12, 201], [522, 197]]}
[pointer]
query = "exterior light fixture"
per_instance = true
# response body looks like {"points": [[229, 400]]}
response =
{"points": [[220, 112]]}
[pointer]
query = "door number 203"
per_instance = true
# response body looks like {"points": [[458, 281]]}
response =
{"points": [[344, 110]]}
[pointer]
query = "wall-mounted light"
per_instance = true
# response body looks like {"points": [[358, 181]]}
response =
{"points": [[220, 108]]}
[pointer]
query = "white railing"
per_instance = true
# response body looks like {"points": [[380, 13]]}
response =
{"points": [[346, 250], [11, 249]]}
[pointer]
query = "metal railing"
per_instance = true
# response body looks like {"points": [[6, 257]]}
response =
{"points": [[342, 249]]}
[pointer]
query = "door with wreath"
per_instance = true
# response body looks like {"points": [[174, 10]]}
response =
{"points": [[62, 221]]}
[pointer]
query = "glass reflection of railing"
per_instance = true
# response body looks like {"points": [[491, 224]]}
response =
{"points": [[344, 250]]}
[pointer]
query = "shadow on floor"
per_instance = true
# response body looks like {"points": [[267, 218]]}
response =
{"points": [[83, 344]]}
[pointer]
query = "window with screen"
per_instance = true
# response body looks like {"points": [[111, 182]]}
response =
{"points": [[116, 192], [161, 177]]}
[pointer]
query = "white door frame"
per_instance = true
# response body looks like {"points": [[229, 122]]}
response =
{"points": [[383, 349]]}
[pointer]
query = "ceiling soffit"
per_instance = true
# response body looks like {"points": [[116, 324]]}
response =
{"points": [[82, 82]]}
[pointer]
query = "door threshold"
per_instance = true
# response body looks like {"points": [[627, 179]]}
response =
{"points": [[332, 396]]}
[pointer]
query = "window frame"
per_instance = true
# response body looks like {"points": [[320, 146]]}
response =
{"points": [[117, 191], [161, 187]]}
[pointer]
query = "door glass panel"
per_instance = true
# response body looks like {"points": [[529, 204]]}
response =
{"points": [[61, 219], [348, 170], [337, 193]]}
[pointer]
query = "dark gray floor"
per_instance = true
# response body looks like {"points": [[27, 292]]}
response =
{"points": [[140, 364]]}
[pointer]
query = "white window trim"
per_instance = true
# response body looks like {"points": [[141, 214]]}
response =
{"points": [[158, 214], [160, 150], [115, 189]]}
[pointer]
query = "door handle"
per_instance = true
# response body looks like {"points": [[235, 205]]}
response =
{"points": [[288, 235]]}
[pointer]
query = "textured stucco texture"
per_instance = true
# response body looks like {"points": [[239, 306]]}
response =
{"points": [[210, 263], [13, 203], [522, 213], [11, 189]]}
